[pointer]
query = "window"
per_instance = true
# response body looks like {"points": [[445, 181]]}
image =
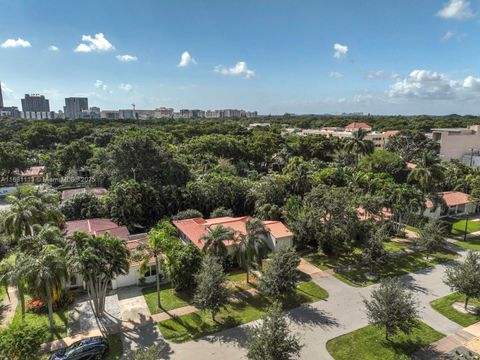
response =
{"points": [[151, 271]]}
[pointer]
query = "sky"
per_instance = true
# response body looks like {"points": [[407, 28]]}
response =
{"points": [[272, 56]]}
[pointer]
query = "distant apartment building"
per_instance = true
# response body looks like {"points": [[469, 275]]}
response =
{"points": [[459, 143], [110, 114], [11, 112], [163, 112], [38, 115], [74, 107], [1, 96], [35, 103]]}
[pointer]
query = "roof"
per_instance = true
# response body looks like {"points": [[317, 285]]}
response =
{"points": [[135, 241], [97, 191], [97, 227], [391, 133], [411, 166], [33, 171], [358, 125], [451, 198], [195, 229]]}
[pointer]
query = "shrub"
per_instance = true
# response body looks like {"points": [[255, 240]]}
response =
{"points": [[21, 341], [187, 214]]}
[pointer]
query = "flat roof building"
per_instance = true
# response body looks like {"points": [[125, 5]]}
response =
{"points": [[35, 103]]}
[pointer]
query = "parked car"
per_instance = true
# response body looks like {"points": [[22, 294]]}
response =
{"points": [[92, 348]]}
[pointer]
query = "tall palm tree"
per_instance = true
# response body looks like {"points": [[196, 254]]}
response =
{"points": [[251, 249], [215, 241], [99, 259], [428, 173], [157, 244], [42, 235], [48, 270], [358, 144]]}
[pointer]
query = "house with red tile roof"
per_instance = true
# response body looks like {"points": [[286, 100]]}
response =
{"points": [[355, 126], [456, 203], [193, 230], [102, 226]]}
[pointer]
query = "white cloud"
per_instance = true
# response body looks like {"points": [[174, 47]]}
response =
{"points": [[448, 35], [126, 87], [381, 74], [126, 58], [53, 48], [375, 74], [336, 75], [432, 85], [340, 51], [456, 9], [18, 43], [99, 84], [97, 43], [186, 60], [240, 69]]}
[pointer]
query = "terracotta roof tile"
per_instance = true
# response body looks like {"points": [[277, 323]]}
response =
{"points": [[96, 227], [195, 229], [451, 198]]}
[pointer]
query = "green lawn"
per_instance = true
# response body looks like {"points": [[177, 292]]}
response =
{"points": [[411, 228], [60, 318], [369, 343], [169, 298], [397, 265], [458, 226], [444, 307], [198, 324], [471, 243], [238, 280], [394, 246]]}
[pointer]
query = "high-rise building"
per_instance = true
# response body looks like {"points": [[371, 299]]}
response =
{"points": [[74, 107], [1, 97], [35, 103]]}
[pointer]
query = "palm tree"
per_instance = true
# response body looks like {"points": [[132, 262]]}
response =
{"points": [[99, 259], [47, 271], [42, 235], [251, 248], [14, 273], [20, 218], [357, 144], [428, 173], [156, 245], [215, 241]]}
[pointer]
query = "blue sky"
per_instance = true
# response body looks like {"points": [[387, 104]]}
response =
{"points": [[274, 56]]}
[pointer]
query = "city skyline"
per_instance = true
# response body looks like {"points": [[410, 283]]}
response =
{"points": [[296, 57]]}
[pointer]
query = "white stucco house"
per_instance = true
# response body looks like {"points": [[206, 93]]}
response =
{"points": [[457, 203], [101, 226]]}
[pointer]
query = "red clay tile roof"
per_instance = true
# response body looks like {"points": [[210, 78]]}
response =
{"points": [[97, 191], [194, 229], [96, 227], [411, 166], [358, 125], [451, 198]]}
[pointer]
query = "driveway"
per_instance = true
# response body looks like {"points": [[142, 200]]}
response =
{"points": [[319, 322]]}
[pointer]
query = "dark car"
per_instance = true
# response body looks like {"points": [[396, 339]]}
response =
{"points": [[86, 349]]}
